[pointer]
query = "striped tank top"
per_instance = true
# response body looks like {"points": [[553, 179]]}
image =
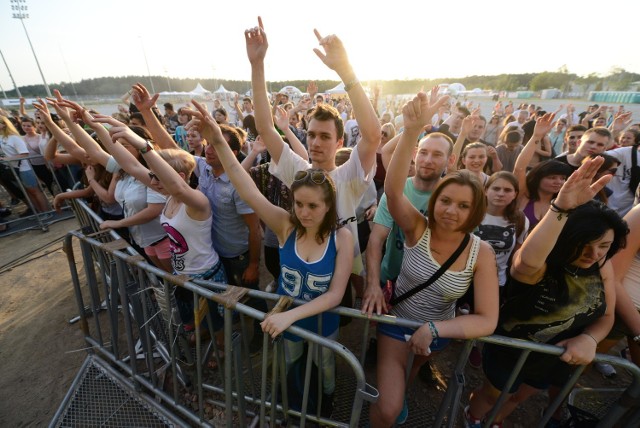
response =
{"points": [[438, 301]]}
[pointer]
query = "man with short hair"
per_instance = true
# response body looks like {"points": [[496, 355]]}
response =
{"points": [[325, 133], [170, 118], [593, 142]]}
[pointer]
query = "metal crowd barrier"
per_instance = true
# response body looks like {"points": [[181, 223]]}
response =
{"points": [[62, 178], [240, 386]]}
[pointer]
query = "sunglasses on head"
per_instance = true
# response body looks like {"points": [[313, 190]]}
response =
{"points": [[316, 176]]}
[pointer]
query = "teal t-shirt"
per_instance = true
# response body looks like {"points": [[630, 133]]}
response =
{"points": [[394, 249]]}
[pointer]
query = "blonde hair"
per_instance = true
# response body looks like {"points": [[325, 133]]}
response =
{"points": [[9, 129], [179, 160]]}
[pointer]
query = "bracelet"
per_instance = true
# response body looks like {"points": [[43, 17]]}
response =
{"points": [[433, 330], [349, 86], [587, 334], [147, 148], [557, 209]]}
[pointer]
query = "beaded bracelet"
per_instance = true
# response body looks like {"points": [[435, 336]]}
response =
{"points": [[433, 330]]}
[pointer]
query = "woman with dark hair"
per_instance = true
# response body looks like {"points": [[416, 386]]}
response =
{"points": [[544, 181], [563, 266], [456, 208], [316, 256]]}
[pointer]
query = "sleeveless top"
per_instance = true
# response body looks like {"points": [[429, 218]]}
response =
{"points": [[192, 251], [530, 213], [307, 280], [553, 310], [438, 301]]}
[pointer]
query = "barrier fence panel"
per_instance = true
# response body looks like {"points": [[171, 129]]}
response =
{"points": [[23, 180], [193, 377]]}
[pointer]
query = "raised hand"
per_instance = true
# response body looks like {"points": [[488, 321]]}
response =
{"points": [[257, 44], [80, 112], [579, 187], [258, 145], [467, 124], [621, 121], [544, 124], [120, 130], [61, 110], [281, 118], [41, 106], [334, 55], [142, 98], [210, 130], [312, 89]]}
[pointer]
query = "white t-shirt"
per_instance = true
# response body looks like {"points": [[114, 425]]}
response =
{"points": [[12, 146], [133, 197], [621, 200], [351, 183]]}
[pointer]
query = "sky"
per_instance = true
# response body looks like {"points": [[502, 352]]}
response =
{"points": [[393, 39]]}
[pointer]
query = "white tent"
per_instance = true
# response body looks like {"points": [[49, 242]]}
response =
{"points": [[221, 90], [199, 90], [291, 91], [338, 90]]}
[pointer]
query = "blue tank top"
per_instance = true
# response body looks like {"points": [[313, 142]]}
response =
{"points": [[307, 280]]}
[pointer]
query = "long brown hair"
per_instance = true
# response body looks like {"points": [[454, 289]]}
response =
{"points": [[330, 221], [511, 212]]}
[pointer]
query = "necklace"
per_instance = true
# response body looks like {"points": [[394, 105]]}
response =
{"points": [[574, 273]]}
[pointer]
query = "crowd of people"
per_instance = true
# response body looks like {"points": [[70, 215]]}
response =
{"points": [[525, 224]]}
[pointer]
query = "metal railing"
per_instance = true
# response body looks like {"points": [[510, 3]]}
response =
{"points": [[236, 386]]}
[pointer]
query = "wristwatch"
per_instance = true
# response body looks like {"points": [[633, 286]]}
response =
{"points": [[147, 148]]}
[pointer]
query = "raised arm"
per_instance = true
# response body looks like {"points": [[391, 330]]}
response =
{"points": [[83, 139], [335, 57], [467, 125], [175, 184], [543, 126], [416, 113], [282, 120], [257, 45], [143, 100], [125, 159], [74, 152], [529, 263], [275, 217]]}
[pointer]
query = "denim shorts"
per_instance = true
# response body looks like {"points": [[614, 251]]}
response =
{"points": [[397, 332], [29, 178]]}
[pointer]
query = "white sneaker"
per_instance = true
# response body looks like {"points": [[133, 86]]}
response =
{"points": [[605, 370]]}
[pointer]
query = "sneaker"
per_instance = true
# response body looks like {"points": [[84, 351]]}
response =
{"points": [[425, 373], [404, 414], [470, 422], [475, 358], [606, 370]]}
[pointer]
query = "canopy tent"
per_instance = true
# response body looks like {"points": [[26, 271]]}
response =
{"points": [[199, 90], [221, 90], [291, 91], [338, 90]]}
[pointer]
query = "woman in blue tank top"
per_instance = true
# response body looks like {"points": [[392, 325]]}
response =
{"points": [[316, 257]]}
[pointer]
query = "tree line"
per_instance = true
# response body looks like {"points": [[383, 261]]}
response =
{"points": [[617, 79]]}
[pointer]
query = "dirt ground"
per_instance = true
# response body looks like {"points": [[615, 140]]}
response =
{"points": [[40, 352]]}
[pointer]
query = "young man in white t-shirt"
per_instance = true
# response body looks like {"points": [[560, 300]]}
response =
{"points": [[325, 133]]}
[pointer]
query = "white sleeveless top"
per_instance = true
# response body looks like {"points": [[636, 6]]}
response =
{"points": [[191, 247], [438, 301]]}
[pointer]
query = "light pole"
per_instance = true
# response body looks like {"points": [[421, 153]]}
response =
{"points": [[19, 8], [144, 52], [10, 75]]}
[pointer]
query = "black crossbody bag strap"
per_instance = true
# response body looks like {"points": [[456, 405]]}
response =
{"points": [[394, 301]]}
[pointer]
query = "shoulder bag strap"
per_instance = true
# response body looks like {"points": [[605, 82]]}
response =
{"points": [[394, 301]]}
